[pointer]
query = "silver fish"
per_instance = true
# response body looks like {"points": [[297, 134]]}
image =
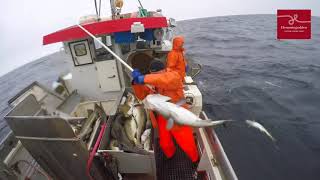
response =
{"points": [[261, 128], [270, 83], [135, 124], [146, 139], [118, 133], [114, 145], [175, 113]]}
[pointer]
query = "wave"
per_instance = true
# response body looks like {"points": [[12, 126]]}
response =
{"points": [[224, 39], [230, 56], [294, 82]]}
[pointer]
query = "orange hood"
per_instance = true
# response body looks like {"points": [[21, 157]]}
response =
{"points": [[178, 43]]}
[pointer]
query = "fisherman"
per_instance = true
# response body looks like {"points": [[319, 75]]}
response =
{"points": [[167, 83], [176, 60]]}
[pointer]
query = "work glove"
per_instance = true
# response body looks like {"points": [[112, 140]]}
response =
{"points": [[138, 77], [139, 80], [135, 73]]}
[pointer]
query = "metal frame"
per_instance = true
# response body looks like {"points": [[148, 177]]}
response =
{"points": [[82, 44], [214, 154], [24, 90], [73, 56]]}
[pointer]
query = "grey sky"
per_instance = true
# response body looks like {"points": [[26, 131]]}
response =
{"points": [[24, 22]]}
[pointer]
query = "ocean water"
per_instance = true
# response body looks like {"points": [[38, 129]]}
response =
{"points": [[247, 74]]}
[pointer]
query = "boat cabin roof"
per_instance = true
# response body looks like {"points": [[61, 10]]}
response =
{"points": [[103, 27]]}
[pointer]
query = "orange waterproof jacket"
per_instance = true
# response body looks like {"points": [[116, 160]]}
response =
{"points": [[176, 60], [167, 83]]}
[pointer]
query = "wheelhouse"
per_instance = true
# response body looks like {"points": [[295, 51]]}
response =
{"points": [[136, 40]]}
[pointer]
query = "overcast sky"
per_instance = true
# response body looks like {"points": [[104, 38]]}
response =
{"points": [[23, 23]]}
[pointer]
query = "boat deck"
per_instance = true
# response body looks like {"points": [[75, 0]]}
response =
{"points": [[178, 167]]}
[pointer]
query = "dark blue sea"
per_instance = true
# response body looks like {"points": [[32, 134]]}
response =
{"points": [[247, 74]]}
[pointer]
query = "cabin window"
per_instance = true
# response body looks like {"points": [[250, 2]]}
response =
{"points": [[80, 52], [80, 49], [101, 53]]}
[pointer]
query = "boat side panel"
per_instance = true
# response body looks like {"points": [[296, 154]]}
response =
{"points": [[220, 156]]}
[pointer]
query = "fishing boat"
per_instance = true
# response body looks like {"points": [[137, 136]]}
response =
{"points": [[90, 125]]}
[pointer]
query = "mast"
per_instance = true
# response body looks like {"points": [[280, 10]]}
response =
{"points": [[113, 9], [116, 6]]}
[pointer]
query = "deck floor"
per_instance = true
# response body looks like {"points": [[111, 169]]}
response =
{"points": [[179, 167]]}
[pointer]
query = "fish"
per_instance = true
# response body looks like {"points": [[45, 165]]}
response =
{"points": [[118, 131], [138, 114], [261, 128], [146, 139], [130, 127], [119, 134], [270, 83], [114, 145], [175, 113], [136, 119]]}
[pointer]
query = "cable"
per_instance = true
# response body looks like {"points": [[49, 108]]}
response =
{"points": [[95, 5], [99, 8]]}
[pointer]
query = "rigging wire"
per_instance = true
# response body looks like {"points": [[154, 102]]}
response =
{"points": [[95, 5], [99, 8], [140, 4], [112, 10]]}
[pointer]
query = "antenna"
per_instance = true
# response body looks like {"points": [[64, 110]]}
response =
{"points": [[113, 8], [140, 4], [98, 12]]}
